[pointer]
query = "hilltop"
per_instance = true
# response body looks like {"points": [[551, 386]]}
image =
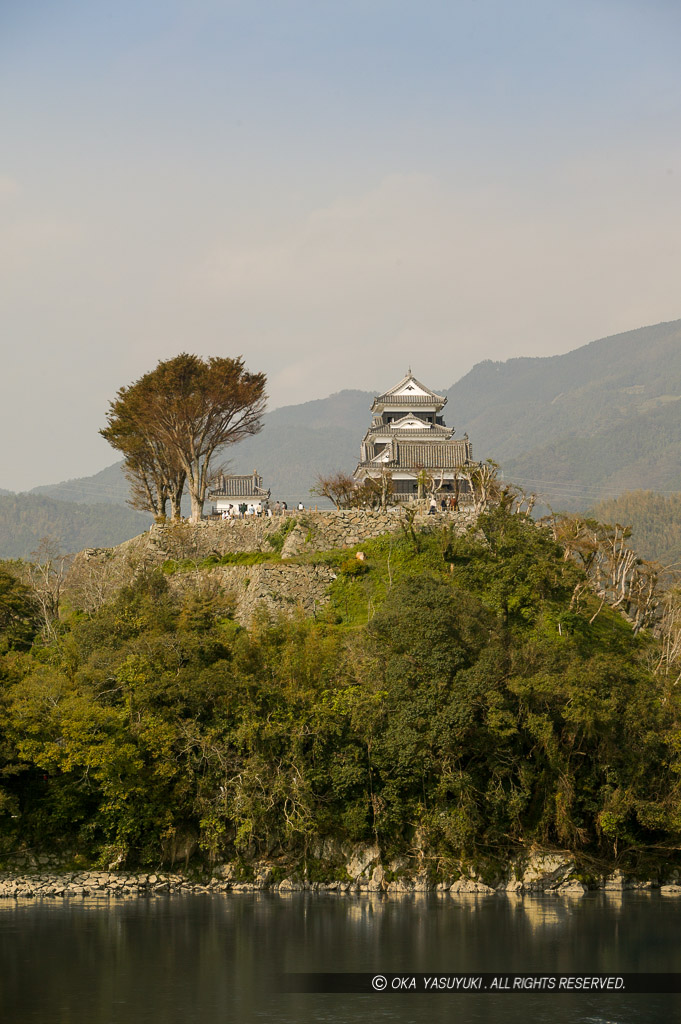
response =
{"points": [[577, 428]]}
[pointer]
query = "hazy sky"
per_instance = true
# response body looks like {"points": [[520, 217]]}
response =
{"points": [[331, 188]]}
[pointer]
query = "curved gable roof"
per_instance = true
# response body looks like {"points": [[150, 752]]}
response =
{"points": [[410, 387]]}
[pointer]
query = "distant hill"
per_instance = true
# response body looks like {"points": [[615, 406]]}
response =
{"points": [[600, 420], [25, 519], [655, 520], [109, 487], [641, 452], [300, 442]]}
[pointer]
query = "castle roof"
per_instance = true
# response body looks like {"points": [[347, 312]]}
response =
{"points": [[410, 456], [408, 392], [410, 426], [235, 486]]}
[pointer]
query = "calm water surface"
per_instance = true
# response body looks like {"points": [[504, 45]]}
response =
{"points": [[208, 959]]}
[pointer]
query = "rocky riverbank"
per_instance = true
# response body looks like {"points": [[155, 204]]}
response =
{"points": [[542, 873]]}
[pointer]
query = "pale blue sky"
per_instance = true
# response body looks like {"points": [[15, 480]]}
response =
{"points": [[332, 189]]}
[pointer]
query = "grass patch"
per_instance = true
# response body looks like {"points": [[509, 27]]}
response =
{"points": [[361, 587], [173, 565]]}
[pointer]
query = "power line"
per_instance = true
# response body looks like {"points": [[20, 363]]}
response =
{"points": [[573, 489]]}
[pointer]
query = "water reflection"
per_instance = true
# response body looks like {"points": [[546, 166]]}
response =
{"points": [[615, 898], [543, 913], [211, 959]]}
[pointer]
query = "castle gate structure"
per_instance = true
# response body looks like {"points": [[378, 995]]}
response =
{"points": [[409, 441]]}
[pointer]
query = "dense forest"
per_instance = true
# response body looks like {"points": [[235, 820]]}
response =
{"points": [[26, 518], [459, 698], [655, 522]]}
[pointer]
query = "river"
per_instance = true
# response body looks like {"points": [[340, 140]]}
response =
{"points": [[213, 959]]}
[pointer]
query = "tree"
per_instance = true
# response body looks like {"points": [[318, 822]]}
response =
{"points": [[373, 492], [515, 563], [488, 490], [18, 612], [171, 422], [46, 575], [344, 491], [614, 572], [151, 466], [338, 488], [668, 651], [428, 485]]}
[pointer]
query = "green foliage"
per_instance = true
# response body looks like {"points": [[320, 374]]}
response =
{"points": [[276, 539], [451, 700], [514, 565], [353, 567], [357, 594], [318, 870], [19, 617]]}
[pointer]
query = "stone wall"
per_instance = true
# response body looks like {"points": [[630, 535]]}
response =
{"points": [[345, 528], [98, 573], [274, 586], [312, 531]]}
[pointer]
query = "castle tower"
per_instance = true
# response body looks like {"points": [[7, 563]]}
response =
{"points": [[408, 438]]}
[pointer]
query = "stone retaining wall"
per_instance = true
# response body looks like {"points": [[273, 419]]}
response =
{"points": [[345, 528], [274, 586], [98, 573], [318, 531]]}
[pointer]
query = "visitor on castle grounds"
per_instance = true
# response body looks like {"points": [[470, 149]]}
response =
{"points": [[443, 504], [277, 508], [433, 507], [301, 507]]}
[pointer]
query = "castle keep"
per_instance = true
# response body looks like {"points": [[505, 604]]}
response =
{"points": [[409, 440]]}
